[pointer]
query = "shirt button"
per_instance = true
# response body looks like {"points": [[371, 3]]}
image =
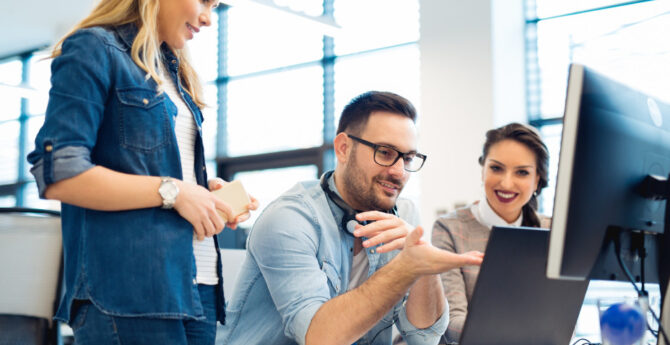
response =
{"points": [[145, 101], [372, 251], [48, 148], [195, 281], [204, 168]]}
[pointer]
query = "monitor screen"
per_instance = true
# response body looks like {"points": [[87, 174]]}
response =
{"points": [[613, 137]]}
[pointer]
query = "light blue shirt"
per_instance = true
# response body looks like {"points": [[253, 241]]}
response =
{"points": [[298, 258]]}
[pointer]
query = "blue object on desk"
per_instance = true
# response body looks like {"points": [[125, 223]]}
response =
{"points": [[622, 324]]}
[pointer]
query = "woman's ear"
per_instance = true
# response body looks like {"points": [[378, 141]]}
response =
{"points": [[342, 147]]}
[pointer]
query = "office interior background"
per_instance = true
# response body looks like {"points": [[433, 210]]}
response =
{"points": [[276, 84]]}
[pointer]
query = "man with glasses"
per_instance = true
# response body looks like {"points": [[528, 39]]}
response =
{"points": [[339, 261]]}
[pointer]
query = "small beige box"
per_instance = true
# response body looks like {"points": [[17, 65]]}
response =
{"points": [[233, 194]]}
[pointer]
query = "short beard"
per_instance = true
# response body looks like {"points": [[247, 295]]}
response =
{"points": [[362, 192]]}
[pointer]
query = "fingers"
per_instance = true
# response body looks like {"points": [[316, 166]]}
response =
{"points": [[414, 237], [475, 253], [391, 246], [243, 217], [386, 237], [208, 214], [208, 226], [453, 260], [467, 260], [224, 208], [373, 215], [199, 232], [217, 221], [473, 258], [380, 226], [215, 183], [253, 205]]}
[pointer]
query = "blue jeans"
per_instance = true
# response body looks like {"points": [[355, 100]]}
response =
{"points": [[92, 327]]}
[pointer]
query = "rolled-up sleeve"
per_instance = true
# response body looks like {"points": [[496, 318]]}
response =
{"points": [[420, 336], [80, 84], [284, 244], [67, 162]]}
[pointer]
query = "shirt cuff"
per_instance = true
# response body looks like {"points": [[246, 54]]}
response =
{"points": [[62, 164], [416, 336], [301, 322]]}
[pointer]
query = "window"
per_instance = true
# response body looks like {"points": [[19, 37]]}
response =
{"points": [[622, 39], [19, 96], [274, 89], [283, 85]]}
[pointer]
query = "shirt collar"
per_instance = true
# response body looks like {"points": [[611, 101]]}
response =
{"points": [[489, 218], [128, 33], [333, 186]]}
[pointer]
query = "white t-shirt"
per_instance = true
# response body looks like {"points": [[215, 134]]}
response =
{"points": [[185, 130]]}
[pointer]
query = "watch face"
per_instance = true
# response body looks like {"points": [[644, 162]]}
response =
{"points": [[168, 190]]}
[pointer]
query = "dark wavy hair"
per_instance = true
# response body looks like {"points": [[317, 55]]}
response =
{"points": [[530, 138], [356, 114]]}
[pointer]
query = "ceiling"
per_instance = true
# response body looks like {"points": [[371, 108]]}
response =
{"points": [[27, 26], [31, 25]]}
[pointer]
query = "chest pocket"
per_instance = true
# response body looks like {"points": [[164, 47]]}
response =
{"points": [[143, 119], [334, 279]]}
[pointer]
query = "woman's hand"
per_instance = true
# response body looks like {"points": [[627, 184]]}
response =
{"points": [[199, 207], [217, 183]]}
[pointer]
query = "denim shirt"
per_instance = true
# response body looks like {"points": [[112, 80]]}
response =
{"points": [[298, 258], [103, 111]]}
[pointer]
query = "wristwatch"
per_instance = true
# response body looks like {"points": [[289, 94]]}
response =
{"points": [[168, 190]]}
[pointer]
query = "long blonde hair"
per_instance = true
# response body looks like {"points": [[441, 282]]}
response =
{"points": [[146, 47]]}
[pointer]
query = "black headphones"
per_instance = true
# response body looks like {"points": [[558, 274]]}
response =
{"points": [[349, 219]]}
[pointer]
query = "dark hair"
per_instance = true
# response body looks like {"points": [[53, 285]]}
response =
{"points": [[355, 115], [529, 137]]}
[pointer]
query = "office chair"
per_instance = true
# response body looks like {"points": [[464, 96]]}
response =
{"points": [[231, 260], [31, 270]]}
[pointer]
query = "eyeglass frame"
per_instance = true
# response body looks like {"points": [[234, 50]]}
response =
{"points": [[400, 153]]}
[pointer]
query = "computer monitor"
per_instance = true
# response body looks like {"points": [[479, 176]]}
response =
{"points": [[613, 138]]}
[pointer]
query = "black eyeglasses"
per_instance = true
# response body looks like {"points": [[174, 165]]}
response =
{"points": [[386, 156]]}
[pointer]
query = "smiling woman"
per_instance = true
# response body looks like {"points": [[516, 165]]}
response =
{"points": [[121, 147], [514, 164]]}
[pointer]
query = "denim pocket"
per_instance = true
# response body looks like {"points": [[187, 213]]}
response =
{"points": [[145, 125], [334, 279]]}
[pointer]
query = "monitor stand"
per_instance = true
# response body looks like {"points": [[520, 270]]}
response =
{"points": [[658, 188]]}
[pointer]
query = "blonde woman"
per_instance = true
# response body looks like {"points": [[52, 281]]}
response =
{"points": [[121, 147]]}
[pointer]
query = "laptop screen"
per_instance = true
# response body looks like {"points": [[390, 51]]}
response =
{"points": [[513, 301]]}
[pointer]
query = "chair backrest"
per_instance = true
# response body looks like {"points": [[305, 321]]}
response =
{"points": [[231, 260], [30, 262]]}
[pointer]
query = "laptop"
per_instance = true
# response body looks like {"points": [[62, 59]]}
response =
{"points": [[513, 301]]}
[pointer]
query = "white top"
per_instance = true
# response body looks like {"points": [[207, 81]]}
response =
{"points": [[485, 215], [185, 130], [359, 270]]}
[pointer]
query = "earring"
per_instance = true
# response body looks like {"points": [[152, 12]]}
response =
{"points": [[535, 193]]}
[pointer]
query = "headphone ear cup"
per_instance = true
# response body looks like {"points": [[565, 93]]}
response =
{"points": [[349, 222]]}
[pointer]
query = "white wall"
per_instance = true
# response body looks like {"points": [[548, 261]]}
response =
{"points": [[472, 79]]}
